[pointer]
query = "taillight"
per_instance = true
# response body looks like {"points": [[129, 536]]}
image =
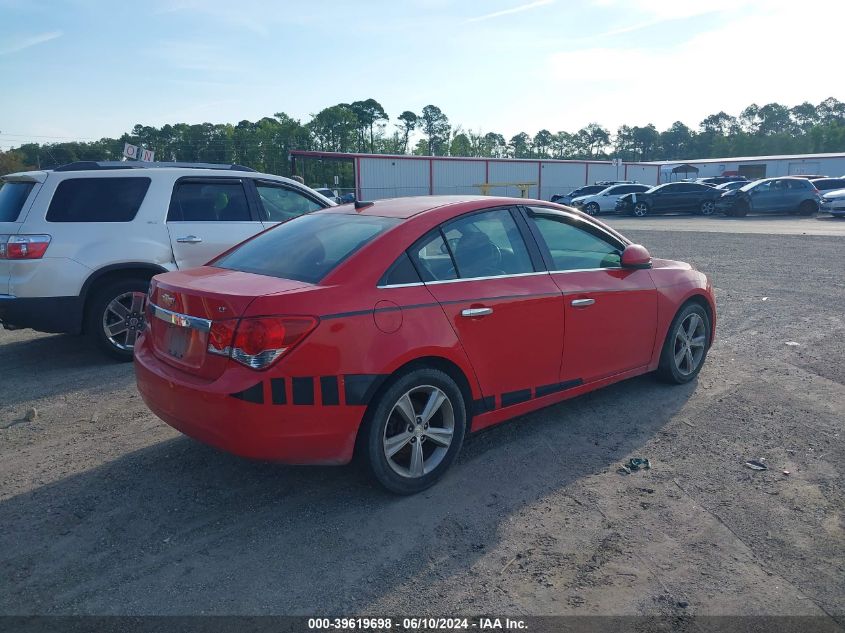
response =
{"points": [[258, 342], [23, 246], [220, 337]]}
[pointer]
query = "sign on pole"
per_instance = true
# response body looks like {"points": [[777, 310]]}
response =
{"points": [[130, 151], [147, 155]]}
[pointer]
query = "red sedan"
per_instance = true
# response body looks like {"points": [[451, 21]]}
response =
{"points": [[392, 329]]}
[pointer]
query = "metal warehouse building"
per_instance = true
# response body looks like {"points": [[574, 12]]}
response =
{"points": [[753, 167], [391, 176]]}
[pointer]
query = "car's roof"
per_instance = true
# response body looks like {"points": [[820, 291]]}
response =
{"points": [[404, 208]]}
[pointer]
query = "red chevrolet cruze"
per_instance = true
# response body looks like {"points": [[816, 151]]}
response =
{"points": [[391, 329]]}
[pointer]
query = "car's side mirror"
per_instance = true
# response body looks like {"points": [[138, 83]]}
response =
{"points": [[636, 256]]}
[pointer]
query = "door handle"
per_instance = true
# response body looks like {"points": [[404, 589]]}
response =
{"points": [[476, 312], [582, 303], [189, 239]]}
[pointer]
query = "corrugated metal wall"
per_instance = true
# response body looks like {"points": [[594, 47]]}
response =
{"points": [[458, 177], [561, 178], [514, 171], [646, 174], [393, 177]]}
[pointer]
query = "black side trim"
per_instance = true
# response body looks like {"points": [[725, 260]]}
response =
{"points": [[277, 388], [483, 405], [329, 390], [303, 390], [359, 388], [254, 394], [340, 315], [515, 397], [545, 390]]}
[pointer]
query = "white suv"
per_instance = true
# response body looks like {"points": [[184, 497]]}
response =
{"points": [[605, 200], [79, 244]]}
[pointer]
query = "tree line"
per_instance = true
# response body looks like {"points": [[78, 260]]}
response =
{"points": [[364, 126]]}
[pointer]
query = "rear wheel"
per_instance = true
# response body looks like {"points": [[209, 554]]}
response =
{"points": [[592, 209], [686, 345], [708, 207], [115, 316], [414, 431], [641, 209]]}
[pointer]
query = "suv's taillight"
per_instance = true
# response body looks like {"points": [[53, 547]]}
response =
{"points": [[23, 246], [258, 342]]}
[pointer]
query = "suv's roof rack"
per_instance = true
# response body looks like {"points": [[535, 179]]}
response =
{"points": [[86, 165]]}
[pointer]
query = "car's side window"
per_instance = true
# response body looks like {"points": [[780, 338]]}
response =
{"points": [[487, 244], [574, 245], [280, 203], [208, 201], [432, 258], [98, 199], [799, 185], [401, 272]]}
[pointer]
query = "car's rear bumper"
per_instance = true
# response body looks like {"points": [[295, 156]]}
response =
{"points": [[45, 314], [239, 413]]}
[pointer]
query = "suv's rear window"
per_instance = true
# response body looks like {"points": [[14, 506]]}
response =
{"points": [[306, 248], [12, 197], [97, 199]]}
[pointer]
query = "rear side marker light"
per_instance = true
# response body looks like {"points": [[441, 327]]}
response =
{"points": [[23, 246], [258, 342]]}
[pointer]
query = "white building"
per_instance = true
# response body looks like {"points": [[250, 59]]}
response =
{"points": [[754, 167], [390, 176]]}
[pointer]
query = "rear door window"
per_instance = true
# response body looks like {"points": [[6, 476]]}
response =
{"points": [[97, 199], [209, 200], [13, 195], [306, 248], [487, 244]]}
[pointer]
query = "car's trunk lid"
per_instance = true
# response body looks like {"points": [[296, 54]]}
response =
{"points": [[186, 304]]}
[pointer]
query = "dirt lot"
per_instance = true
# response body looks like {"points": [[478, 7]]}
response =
{"points": [[105, 510]]}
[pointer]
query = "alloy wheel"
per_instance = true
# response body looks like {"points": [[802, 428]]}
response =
{"points": [[592, 209], [690, 342], [640, 209], [123, 319], [419, 431], [708, 207]]}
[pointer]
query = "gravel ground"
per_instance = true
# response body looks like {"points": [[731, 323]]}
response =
{"points": [[106, 510]]}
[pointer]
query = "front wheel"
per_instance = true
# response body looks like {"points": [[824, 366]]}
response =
{"points": [[807, 207], [591, 209], [641, 209], [115, 317], [415, 431], [686, 345]]}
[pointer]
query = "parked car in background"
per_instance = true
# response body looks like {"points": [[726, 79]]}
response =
{"points": [[331, 194], [833, 202], [787, 195], [605, 200], [671, 197], [809, 176], [731, 185], [260, 352], [79, 244], [828, 184], [587, 190], [346, 198]]}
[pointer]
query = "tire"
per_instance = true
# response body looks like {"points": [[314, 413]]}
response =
{"points": [[592, 209], [640, 209], [115, 305], [401, 473], [708, 207], [693, 317], [808, 207]]}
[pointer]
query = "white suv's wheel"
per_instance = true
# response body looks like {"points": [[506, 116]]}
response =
{"points": [[115, 316]]}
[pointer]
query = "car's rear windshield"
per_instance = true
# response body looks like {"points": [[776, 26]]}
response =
{"points": [[12, 197], [306, 248]]}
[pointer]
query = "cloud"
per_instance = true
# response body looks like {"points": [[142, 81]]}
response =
{"points": [[22, 43], [519, 9], [750, 58]]}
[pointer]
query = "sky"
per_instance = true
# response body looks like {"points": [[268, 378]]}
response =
{"points": [[86, 69]]}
